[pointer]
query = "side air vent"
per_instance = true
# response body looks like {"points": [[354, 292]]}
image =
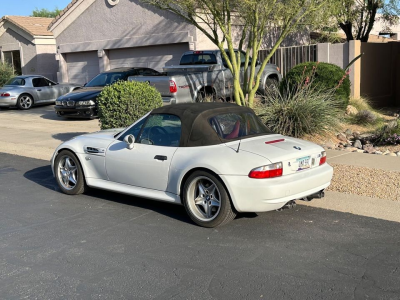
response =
{"points": [[94, 150]]}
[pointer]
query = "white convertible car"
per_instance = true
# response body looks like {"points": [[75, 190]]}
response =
{"points": [[216, 159]]}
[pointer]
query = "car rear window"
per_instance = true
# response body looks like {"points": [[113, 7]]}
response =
{"points": [[198, 59], [237, 125], [16, 81]]}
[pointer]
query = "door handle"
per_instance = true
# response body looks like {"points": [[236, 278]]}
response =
{"points": [[39, 90], [160, 157]]}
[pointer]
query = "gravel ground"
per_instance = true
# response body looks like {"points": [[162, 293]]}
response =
{"points": [[364, 181]]}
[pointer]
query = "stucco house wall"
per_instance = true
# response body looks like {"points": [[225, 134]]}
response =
{"points": [[37, 53], [94, 27]]}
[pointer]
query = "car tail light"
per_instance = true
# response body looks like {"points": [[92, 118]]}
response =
{"points": [[269, 171], [5, 95], [323, 158], [172, 87]]}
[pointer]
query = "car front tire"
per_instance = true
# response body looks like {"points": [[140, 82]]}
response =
{"points": [[69, 174], [24, 102], [206, 200]]}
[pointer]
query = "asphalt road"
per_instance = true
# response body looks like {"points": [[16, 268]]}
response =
{"points": [[109, 246]]}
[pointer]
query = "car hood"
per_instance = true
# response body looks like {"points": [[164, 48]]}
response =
{"points": [[103, 134], [84, 93], [277, 148]]}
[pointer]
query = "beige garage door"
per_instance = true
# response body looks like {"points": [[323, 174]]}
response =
{"points": [[82, 66], [155, 57]]}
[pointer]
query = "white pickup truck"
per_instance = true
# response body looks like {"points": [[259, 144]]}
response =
{"points": [[202, 74]]}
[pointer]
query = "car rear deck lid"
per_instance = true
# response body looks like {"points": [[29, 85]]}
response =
{"points": [[275, 141]]}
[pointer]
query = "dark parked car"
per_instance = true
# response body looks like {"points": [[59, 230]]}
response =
{"points": [[82, 103]]}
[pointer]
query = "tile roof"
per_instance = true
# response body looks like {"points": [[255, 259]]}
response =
{"points": [[33, 25], [72, 3]]}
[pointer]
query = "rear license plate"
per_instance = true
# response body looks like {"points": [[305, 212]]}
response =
{"points": [[303, 163]]}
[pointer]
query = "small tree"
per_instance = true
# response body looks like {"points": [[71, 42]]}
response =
{"points": [[357, 17], [6, 73], [45, 13], [248, 22]]}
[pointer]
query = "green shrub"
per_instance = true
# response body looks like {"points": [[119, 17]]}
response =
{"points": [[300, 111], [124, 102], [324, 75], [6, 73]]}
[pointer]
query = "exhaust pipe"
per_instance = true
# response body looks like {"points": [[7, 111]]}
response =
{"points": [[289, 205], [318, 195]]}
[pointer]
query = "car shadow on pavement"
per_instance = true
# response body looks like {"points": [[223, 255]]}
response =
{"points": [[43, 176], [66, 135]]}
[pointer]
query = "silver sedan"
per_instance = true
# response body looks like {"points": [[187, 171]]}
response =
{"points": [[28, 90]]}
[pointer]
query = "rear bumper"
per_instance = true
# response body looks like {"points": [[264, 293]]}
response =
{"points": [[259, 195], [85, 112], [168, 100], [8, 101]]}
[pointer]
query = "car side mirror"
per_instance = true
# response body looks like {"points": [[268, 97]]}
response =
{"points": [[130, 141]]}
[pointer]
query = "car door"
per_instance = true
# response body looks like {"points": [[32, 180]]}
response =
{"points": [[147, 164], [54, 89], [42, 89]]}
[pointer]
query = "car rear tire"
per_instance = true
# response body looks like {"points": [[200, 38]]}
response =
{"points": [[69, 174], [206, 200], [25, 102], [271, 86]]}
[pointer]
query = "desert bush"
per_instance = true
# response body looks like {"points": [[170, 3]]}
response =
{"points": [[365, 117], [361, 104], [6, 73], [325, 76], [300, 111], [388, 134], [124, 102]]}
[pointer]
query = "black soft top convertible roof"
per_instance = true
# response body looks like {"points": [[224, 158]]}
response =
{"points": [[196, 130]]}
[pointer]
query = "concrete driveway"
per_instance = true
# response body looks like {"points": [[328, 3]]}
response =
{"points": [[37, 132]]}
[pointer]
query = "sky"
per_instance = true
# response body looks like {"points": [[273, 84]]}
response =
{"points": [[25, 7]]}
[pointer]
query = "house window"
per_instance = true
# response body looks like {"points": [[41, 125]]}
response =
{"points": [[13, 58]]}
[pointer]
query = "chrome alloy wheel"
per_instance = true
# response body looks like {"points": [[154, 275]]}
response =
{"points": [[204, 198], [67, 172], [25, 102]]}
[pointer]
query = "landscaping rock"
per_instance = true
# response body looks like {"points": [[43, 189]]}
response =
{"points": [[366, 137], [348, 133], [392, 124], [387, 152], [398, 153], [356, 134], [360, 151], [330, 145], [357, 144], [351, 110], [392, 154], [378, 152], [342, 137], [369, 148]]}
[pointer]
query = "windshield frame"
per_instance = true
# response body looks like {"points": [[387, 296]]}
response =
{"points": [[123, 76]]}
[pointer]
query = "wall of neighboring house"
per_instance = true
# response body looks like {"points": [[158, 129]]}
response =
{"points": [[12, 41], [46, 63], [101, 30], [35, 58]]}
